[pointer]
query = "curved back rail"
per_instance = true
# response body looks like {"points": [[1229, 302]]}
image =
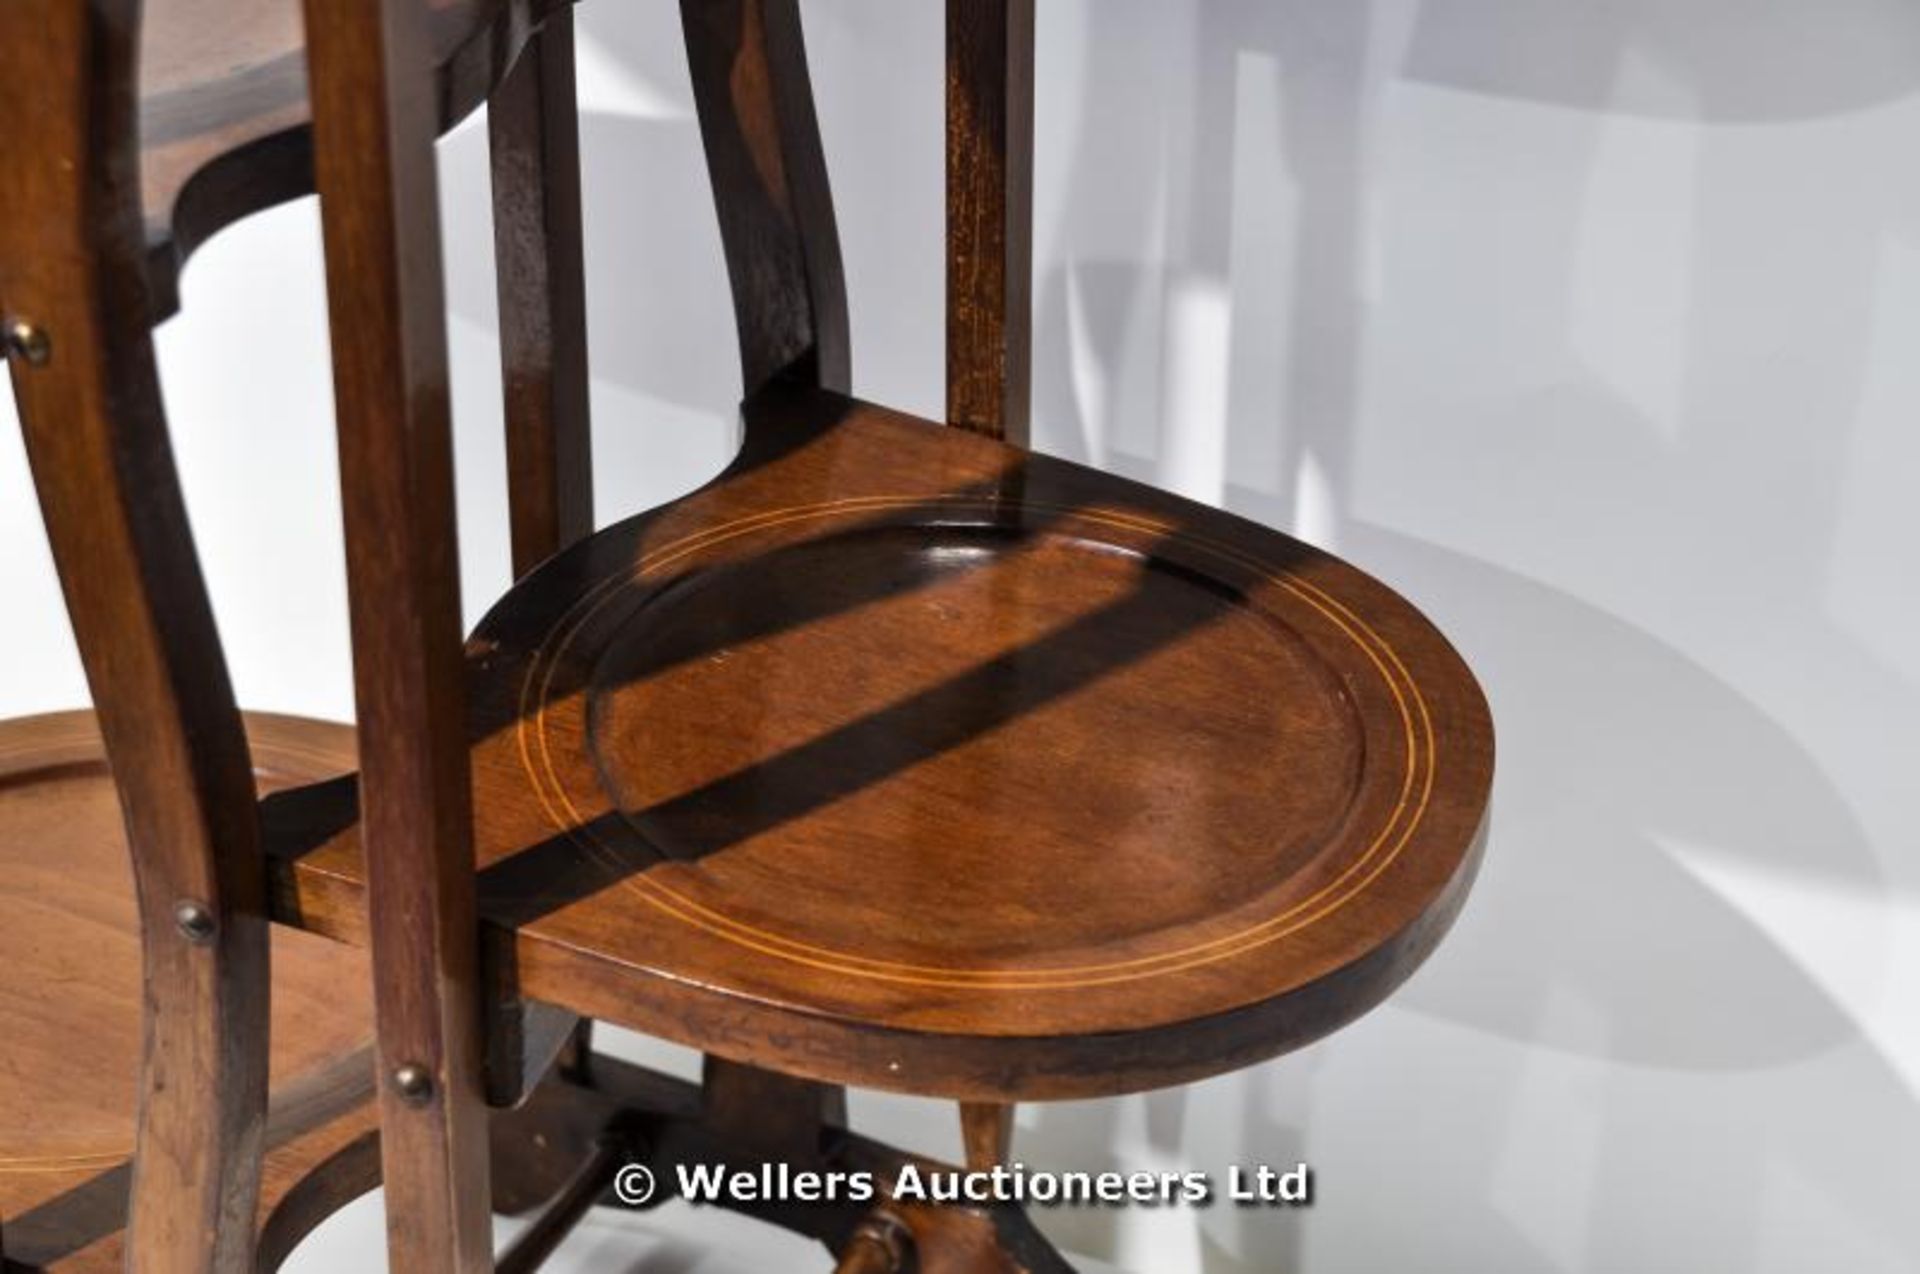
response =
{"points": [[755, 101], [770, 189]]}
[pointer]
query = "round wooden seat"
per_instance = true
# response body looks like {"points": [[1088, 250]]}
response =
{"points": [[910, 759], [70, 1034]]}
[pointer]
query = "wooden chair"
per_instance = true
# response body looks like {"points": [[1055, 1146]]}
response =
{"points": [[129, 143], [896, 756]]}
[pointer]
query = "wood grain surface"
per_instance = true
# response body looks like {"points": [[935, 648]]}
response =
{"points": [[376, 115], [224, 110], [990, 70], [71, 997], [900, 757]]}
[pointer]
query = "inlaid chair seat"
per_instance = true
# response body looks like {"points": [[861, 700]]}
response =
{"points": [[70, 1049], [897, 756], [1003, 777]]}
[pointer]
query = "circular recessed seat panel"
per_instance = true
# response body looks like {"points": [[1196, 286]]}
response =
{"points": [[1020, 753]]}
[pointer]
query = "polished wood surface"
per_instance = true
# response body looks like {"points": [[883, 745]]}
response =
{"points": [[224, 108], [88, 395], [70, 1000], [986, 1131], [900, 757], [375, 119], [990, 66], [145, 140], [754, 96], [896, 756], [534, 145], [534, 142]]}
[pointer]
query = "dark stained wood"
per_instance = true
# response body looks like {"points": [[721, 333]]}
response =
{"points": [[71, 956], [72, 271], [948, 1240], [535, 137], [539, 1146], [775, 1115], [665, 1122], [523, 1039], [903, 758], [318, 1185], [224, 110], [896, 756], [769, 173], [990, 56], [540, 1240], [375, 118]]}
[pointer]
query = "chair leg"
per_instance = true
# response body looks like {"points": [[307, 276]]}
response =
{"points": [[987, 1130], [375, 117]]}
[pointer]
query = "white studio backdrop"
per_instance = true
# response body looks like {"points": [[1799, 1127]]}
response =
{"points": [[1589, 326]]}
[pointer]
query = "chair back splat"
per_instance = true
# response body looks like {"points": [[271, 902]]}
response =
{"points": [[768, 169], [755, 101]]}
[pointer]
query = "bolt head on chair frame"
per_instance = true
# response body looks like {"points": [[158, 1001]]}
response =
{"points": [[183, 1091], [897, 755]]}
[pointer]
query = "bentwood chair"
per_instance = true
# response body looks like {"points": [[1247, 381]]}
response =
{"points": [[896, 756]]}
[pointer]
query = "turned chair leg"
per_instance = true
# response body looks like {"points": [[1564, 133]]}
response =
{"points": [[987, 1129]]}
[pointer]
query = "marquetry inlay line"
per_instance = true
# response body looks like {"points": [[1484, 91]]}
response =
{"points": [[1416, 787], [87, 1162]]}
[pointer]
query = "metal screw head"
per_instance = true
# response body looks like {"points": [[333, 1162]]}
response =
{"points": [[194, 921], [24, 340], [414, 1084]]}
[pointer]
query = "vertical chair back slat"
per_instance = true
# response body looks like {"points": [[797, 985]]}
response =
{"points": [[72, 285], [534, 134], [374, 124], [990, 50], [753, 91], [755, 101]]}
